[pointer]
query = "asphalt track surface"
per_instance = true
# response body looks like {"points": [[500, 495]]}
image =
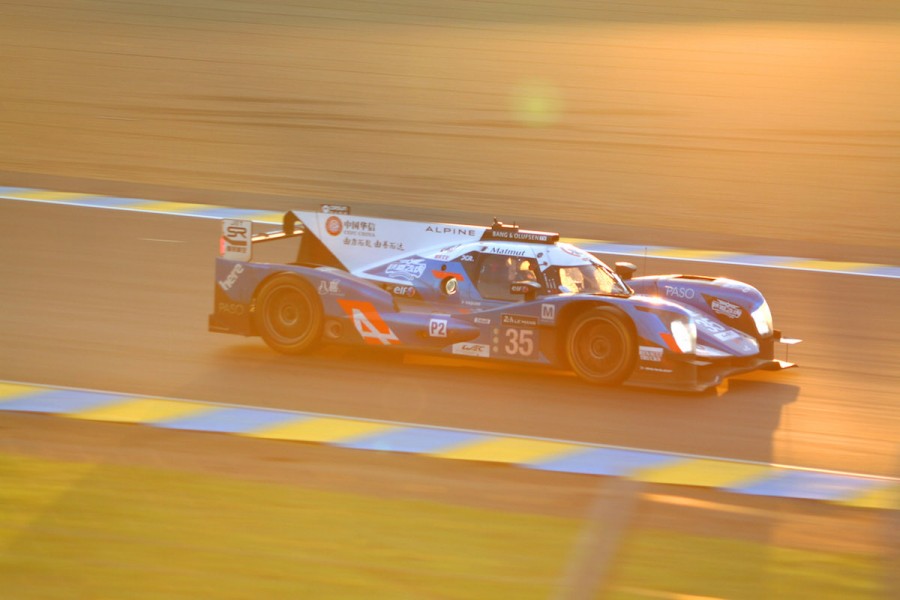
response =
{"points": [[759, 127], [118, 301]]}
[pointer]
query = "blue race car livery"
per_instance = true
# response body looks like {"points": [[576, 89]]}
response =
{"points": [[497, 293]]}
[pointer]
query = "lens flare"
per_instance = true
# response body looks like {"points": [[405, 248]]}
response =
{"points": [[537, 103]]}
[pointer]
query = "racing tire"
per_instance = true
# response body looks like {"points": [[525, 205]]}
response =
{"points": [[289, 315], [600, 345]]}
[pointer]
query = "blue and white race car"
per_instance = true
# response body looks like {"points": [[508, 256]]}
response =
{"points": [[496, 293]]}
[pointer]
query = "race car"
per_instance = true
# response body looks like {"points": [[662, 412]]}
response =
{"points": [[493, 292]]}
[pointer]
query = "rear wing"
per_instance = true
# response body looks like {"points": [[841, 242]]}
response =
{"points": [[333, 237], [238, 241]]}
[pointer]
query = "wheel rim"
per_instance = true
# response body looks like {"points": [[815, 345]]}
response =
{"points": [[599, 348], [288, 315]]}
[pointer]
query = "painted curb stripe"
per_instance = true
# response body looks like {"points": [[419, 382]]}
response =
{"points": [[60, 402], [415, 440], [734, 258], [700, 255], [324, 429], [209, 211], [206, 211], [805, 484], [604, 461], [141, 410], [549, 455], [50, 196], [15, 390], [178, 208], [508, 450], [703, 472], [229, 420], [882, 495]]}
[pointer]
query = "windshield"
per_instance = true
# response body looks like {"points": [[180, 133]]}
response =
{"points": [[583, 279]]}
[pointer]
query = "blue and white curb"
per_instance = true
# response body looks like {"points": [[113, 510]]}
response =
{"points": [[184, 209], [740, 477], [209, 211], [735, 258]]}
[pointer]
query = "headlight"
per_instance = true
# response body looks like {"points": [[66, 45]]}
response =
{"points": [[685, 335], [762, 316]]}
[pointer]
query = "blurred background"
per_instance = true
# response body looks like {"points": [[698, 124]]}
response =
{"points": [[764, 125]]}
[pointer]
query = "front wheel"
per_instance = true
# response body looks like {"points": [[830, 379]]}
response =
{"points": [[601, 347], [288, 315]]}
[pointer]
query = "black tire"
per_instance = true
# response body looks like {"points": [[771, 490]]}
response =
{"points": [[601, 347], [288, 314]]}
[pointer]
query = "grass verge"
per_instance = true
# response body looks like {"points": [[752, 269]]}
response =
{"points": [[82, 530]]}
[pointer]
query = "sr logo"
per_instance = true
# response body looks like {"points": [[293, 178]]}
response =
{"points": [[236, 235], [235, 241]]}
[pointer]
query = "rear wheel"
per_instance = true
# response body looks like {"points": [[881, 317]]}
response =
{"points": [[601, 347], [289, 314]]}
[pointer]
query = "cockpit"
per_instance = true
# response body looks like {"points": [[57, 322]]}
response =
{"points": [[497, 272], [583, 279], [553, 269]]}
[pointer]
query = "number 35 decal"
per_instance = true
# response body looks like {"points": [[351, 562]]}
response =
{"points": [[519, 342]]}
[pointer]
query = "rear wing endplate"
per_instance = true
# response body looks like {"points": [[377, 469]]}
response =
{"points": [[238, 239]]}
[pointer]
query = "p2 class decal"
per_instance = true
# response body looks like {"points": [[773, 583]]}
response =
{"points": [[368, 323], [437, 328], [235, 242]]}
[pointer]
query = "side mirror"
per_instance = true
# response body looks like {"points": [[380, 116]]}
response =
{"points": [[529, 289], [625, 270]]}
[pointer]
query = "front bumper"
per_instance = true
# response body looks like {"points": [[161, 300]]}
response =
{"points": [[692, 374]]}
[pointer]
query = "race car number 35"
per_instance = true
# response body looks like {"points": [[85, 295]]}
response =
{"points": [[518, 342]]}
